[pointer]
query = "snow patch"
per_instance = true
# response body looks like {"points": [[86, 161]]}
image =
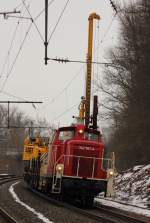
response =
{"points": [[137, 167], [127, 175], [3, 174], [16, 198], [129, 208], [133, 186]]}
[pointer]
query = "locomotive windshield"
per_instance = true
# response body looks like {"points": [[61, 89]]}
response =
{"points": [[66, 134], [91, 136]]}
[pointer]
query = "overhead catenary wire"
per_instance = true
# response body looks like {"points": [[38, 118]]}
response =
{"points": [[17, 97], [18, 6], [12, 42], [11, 46], [40, 14], [107, 30], [20, 17], [78, 61], [15, 59], [15, 32], [107, 64], [12, 95], [66, 111], [63, 90], [113, 6], [59, 18], [9, 50], [42, 11], [33, 21]]}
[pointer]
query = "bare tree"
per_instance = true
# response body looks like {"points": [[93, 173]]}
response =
{"points": [[127, 87]]}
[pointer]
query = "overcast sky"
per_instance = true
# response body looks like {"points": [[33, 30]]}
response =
{"points": [[30, 78]]}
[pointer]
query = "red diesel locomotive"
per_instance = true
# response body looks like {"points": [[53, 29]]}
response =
{"points": [[72, 165]]}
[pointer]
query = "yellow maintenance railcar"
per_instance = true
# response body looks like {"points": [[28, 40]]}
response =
{"points": [[33, 146]]}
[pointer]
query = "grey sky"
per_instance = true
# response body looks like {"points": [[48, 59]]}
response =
{"points": [[30, 78]]}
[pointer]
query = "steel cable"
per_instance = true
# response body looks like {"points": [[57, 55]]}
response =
{"points": [[41, 12], [66, 111], [61, 14], [33, 21], [20, 48], [63, 90], [12, 95], [10, 47]]}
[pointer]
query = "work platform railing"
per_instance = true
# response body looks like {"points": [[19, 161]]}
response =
{"points": [[73, 166], [77, 162]]}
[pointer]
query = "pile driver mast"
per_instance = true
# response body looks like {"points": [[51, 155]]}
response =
{"points": [[86, 109]]}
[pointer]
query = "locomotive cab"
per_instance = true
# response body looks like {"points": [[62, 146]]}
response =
{"points": [[77, 147], [71, 167], [75, 164]]}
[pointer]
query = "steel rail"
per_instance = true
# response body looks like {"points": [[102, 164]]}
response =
{"points": [[118, 215], [3, 214], [7, 180], [84, 212], [96, 213], [123, 203], [7, 216], [4, 176]]}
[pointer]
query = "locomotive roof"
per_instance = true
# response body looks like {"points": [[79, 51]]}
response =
{"points": [[72, 128]]}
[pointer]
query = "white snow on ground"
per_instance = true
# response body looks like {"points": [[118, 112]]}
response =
{"points": [[16, 198], [133, 186], [3, 174], [136, 210]]}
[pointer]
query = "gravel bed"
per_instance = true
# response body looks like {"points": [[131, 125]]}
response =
{"points": [[50, 211]]}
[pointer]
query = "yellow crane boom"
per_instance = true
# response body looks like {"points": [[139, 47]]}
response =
{"points": [[92, 16]]}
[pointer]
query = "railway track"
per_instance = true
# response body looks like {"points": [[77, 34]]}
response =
{"points": [[8, 178], [123, 203], [119, 216], [4, 215], [97, 213]]}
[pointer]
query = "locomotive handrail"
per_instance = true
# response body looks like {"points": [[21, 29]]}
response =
{"points": [[62, 157], [93, 167], [78, 166], [90, 157], [86, 157]]}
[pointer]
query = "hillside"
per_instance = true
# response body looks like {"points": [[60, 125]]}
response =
{"points": [[133, 186]]}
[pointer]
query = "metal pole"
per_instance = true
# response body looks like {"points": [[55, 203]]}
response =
{"points": [[46, 30], [16, 102], [21, 102], [8, 113]]}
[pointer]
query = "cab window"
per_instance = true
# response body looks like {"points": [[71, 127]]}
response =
{"points": [[65, 135], [91, 136]]}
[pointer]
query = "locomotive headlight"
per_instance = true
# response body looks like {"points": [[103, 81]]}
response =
{"points": [[60, 167], [111, 172], [81, 131]]}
